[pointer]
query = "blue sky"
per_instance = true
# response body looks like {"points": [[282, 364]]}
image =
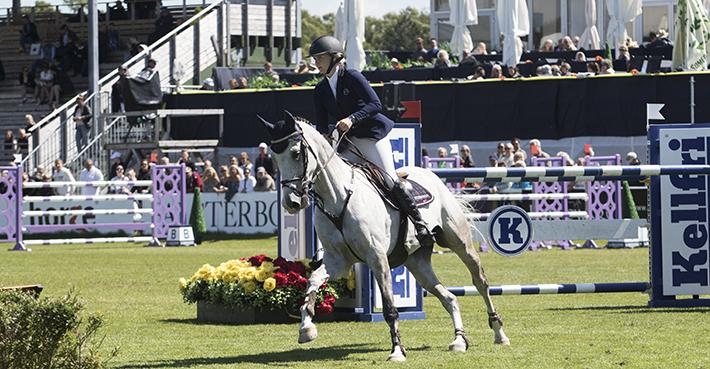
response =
{"points": [[375, 8]]}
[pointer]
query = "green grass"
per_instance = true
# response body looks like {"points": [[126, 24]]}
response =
{"points": [[136, 289]]}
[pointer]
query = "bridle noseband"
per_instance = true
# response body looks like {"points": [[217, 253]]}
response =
{"points": [[305, 183]]}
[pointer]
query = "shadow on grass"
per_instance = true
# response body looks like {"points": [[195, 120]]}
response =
{"points": [[275, 358], [634, 309]]}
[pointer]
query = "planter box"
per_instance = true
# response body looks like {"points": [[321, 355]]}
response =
{"points": [[218, 313]]}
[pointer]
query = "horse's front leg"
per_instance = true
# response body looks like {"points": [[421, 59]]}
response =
{"points": [[383, 275], [308, 331]]}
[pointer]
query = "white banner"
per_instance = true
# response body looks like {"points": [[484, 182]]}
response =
{"points": [[684, 213], [245, 213]]}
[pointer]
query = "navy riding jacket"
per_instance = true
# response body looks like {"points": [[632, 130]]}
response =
{"points": [[355, 99]]}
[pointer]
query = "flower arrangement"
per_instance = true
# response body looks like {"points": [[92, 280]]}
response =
{"points": [[261, 283]]}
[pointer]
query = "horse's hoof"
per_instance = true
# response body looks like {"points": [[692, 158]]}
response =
{"points": [[504, 341], [458, 345], [397, 357], [307, 334]]}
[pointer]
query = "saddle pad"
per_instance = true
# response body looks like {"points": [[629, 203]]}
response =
{"points": [[421, 195]]}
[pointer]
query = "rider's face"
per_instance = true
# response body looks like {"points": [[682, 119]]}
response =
{"points": [[322, 62]]}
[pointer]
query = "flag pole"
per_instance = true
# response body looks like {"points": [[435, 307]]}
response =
{"points": [[692, 99]]}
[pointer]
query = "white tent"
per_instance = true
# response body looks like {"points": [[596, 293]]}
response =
{"points": [[350, 30], [463, 14], [692, 36], [590, 37], [513, 23], [620, 13]]}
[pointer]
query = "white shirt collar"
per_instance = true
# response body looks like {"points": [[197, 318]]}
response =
{"points": [[333, 81]]}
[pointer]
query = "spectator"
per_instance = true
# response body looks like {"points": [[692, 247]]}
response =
{"points": [[433, 52], [419, 53], [62, 174], [442, 60], [547, 47], [27, 81], [41, 175], [243, 83], [223, 177], [624, 55], [82, 123], [120, 189], [544, 71], [480, 49], [207, 84], [116, 162], [517, 150], [395, 64], [264, 181], [244, 162], [192, 179], [164, 160], [9, 145], [465, 156], [580, 57], [132, 176], [269, 72], [118, 12], [233, 84], [467, 58], [660, 40], [306, 66], [185, 158], [144, 174], [565, 69], [45, 83], [478, 74], [441, 154], [248, 182], [555, 70], [264, 159], [507, 157], [210, 180], [496, 71], [567, 44], [23, 142], [632, 159], [28, 34], [536, 149], [163, 25], [606, 67], [232, 182], [67, 51], [55, 90], [593, 68], [90, 174], [513, 72]]}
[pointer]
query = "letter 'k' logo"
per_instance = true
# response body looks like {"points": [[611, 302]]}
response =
{"points": [[509, 230]]}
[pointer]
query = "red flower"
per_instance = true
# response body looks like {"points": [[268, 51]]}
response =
{"points": [[282, 264], [298, 267], [256, 260], [281, 279], [328, 299], [324, 308], [296, 280]]}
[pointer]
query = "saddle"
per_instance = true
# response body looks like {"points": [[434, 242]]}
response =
{"points": [[421, 195]]}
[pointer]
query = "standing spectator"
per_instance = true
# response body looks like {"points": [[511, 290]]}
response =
{"points": [[29, 121], [536, 149], [45, 83], [517, 149], [90, 173], [442, 153], [27, 81], [632, 158], [244, 162], [248, 182], [192, 179], [507, 157], [9, 145], [547, 47], [116, 162], [62, 174], [465, 156], [118, 12], [480, 49], [28, 34], [66, 53], [433, 53], [23, 142], [82, 123], [185, 158], [419, 53], [442, 60], [264, 181], [40, 175], [144, 174], [163, 25], [210, 180], [263, 159], [232, 182]]}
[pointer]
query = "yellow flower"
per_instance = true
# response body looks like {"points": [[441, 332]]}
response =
{"points": [[183, 284], [351, 280], [262, 274], [249, 287], [247, 275], [206, 272], [269, 284], [268, 266]]}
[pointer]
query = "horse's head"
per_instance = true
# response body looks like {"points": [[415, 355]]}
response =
{"points": [[295, 159]]}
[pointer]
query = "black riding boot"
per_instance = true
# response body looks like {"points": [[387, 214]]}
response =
{"points": [[406, 202]]}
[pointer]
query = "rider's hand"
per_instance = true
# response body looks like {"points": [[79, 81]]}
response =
{"points": [[344, 125]]}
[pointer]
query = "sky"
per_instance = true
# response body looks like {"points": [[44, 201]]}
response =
{"points": [[374, 8]]}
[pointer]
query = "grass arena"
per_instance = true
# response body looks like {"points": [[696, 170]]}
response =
{"points": [[135, 288]]}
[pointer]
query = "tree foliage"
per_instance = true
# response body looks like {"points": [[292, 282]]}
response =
{"points": [[394, 31]]}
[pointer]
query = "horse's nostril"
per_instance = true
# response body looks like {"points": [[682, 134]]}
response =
{"points": [[294, 204]]}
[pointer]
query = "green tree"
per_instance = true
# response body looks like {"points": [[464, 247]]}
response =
{"points": [[313, 26], [396, 31]]}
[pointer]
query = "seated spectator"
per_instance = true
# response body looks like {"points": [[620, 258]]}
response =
{"points": [[45, 81], [468, 58], [419, 53], [395, 64], [513, 72], [480, 49], [442, 60], [90, 173], [23, 142], [555, 70], [592, 68], [544, 71], [233, 84], [579, 56], [605, 67], [478, 74], [40, 175], [207, 84], [28, 34], [120, 189], [27, 80], [632, 159], [496, 71], [547, 46], [565, 69], [433, 52], [264, 181], [269, 71], [248, 182], [9, 145], [660, 40], [62, 174], [210, 180], [232, 182], [306, 66], [567, 44], [243, 83]]}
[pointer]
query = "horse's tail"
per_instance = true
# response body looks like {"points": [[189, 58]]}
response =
{"points": [[468, 207]]}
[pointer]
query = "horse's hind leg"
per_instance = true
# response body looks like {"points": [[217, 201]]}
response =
{"points": [[381, 270], [470, 258], [419, 264]]}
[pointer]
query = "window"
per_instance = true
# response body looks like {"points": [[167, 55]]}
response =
{"points": [[546, 21]]}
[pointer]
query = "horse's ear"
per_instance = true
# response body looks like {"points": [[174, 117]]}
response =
{"points": [[289, 119], [268, 125]]}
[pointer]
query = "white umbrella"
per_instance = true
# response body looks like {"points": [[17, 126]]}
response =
{"points": [[463, 14], [590, 37], [350, 30], [692, 36], [620, 13], [513, 23]]}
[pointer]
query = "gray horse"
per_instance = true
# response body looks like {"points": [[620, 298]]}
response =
{"points": [[355, 225]]}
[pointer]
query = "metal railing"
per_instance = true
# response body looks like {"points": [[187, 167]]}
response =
{"points": [[181, 56]]}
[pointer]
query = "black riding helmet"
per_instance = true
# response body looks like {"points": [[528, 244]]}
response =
{"points": [[327, 45]]}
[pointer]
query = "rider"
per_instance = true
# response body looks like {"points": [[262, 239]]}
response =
{"points": [[345, 96]]}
